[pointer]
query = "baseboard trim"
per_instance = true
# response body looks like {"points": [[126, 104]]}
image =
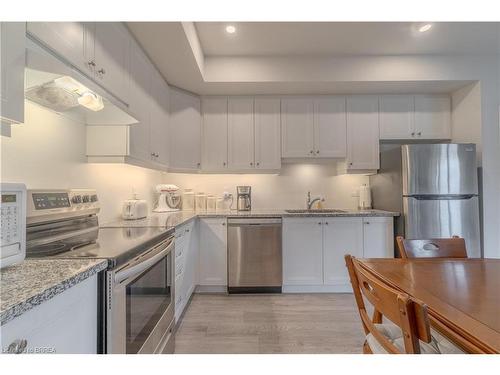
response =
{"points": [[317, 288]]}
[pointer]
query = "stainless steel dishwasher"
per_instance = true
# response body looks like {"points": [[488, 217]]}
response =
{"points": [[254, 262]]}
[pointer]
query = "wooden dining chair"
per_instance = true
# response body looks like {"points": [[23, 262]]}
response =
{"points": [[433, 248], [410, 332]]}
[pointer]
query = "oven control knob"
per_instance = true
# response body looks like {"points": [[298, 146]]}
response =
{"points": [[76, 199], [93, 198], [86, 199]]}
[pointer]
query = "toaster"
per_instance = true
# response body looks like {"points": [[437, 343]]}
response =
{"points": [[134, 209]]}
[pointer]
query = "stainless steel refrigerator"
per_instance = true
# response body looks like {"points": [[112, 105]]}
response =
{"points": [[435, 187]]}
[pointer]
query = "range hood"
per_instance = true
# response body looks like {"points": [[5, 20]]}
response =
{"points": [[57, 86]]}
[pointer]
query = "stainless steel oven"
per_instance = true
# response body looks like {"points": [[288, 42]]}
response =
{"points": [[140, 302]]}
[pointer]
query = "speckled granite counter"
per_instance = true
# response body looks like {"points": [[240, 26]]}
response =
{"points": [[175, 219], [34, 281]]}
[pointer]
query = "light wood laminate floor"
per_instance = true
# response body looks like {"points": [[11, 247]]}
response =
{"points": [[279, 323]]}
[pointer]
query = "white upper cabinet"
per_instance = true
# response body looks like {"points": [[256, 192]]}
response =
{"points": [[214, 147], [297, 127], [111, 56], [241, 133], [396, 117], [140, 85], [378, 237], [415, 117], [330, 127], [433, 116], [267, 133], [185, 130], [159, 120], [341, 236], [73, 41], [12, 54], [362, 132], [98, 49]]}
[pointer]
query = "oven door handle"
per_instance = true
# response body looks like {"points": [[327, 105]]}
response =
{"points": [[143, 264]]}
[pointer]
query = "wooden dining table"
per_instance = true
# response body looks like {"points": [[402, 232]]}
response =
{"points": [[462, 296]]}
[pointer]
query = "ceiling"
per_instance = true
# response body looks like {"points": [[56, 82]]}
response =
{"points": [[344, 38], [313, 57]]}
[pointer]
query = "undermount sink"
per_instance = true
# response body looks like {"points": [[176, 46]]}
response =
{"points": [[316, 211]]}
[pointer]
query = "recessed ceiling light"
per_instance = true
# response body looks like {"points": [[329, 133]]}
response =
{"points": [[425, 28], [230, 29]]}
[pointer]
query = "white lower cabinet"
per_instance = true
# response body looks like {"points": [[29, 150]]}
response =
{"points": [[341, 235], [302, 251], [65, 324], [314, 250], [186, 264], [378, 237], [213, 253]]}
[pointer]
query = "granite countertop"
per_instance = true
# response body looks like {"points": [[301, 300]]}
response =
{"points": [[34, 281], [175, 219]]}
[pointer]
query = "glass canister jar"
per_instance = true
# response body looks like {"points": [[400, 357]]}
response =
{"points": [[200, 202], [188, 200]]}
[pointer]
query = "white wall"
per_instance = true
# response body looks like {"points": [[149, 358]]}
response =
{"points": [[466, 117], [287, 189], [48, 151]]}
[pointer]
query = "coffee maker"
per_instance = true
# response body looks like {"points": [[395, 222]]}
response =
{"points": [[244, 198]]}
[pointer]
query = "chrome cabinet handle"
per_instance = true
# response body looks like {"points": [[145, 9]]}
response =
{"points": [[319, 223], [224, 224], [18, 346], [312, 152], [91, 63], [350, 163], [317, 152], [251, 164], [224, 164], [258, 163], [198, 165], [367, 222], [326, 222], [419, 134], [101, 71]]}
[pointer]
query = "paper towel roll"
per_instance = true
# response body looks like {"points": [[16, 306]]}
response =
{"points": [[365, 197]]}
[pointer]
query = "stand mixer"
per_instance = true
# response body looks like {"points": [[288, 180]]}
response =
{"points": [[169, 199]]}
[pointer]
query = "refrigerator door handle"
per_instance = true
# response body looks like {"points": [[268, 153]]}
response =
{"points": [[432, 197]]}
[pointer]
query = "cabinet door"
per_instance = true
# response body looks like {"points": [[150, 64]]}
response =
{"points": [[302, 251], [297, 127], [12, 55], [362, 132], [140, 105], [378, 237], [184, 130], [159, 119], [433, 116], [65, 324], [73, 41], [396, 116], [214, 133], [267, 133], [112, 48], [330, 127], [341, 236], [240, 132], [213, 252]]}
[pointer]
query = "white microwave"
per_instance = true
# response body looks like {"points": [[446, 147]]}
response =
{"points": [[13, 225]]}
